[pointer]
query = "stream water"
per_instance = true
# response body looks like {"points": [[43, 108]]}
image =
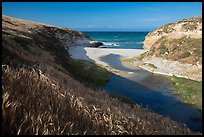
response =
{"points": [[151, 91]]}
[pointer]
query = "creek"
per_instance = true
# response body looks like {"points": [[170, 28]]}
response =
{"points": [[151, 91]]}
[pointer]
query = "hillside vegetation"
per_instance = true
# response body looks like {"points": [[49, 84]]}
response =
{"points": [[184, 50], [44, 92], [179, 41]]}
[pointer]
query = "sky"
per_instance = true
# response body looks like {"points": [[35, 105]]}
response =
{"points": [[103, 16]]}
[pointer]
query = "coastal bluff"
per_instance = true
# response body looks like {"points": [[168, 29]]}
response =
{"points": [[29, 30], [191, 27], [176, 49], [179, 41]]}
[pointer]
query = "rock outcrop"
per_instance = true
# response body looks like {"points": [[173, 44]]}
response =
{"points": [[96, 43]]}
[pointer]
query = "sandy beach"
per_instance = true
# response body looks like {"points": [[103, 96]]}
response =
{"points": [[89, 53], [96, 55]]}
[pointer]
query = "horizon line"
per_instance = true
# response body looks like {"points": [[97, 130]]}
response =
{"points": [[114, 30]]}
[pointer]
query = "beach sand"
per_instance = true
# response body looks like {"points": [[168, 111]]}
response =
{"points": [[95, 54]]}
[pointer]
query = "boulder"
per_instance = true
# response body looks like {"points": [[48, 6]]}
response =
{"points": [[96, 43]]}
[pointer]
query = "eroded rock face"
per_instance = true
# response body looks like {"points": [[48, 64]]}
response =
{"points": [[191, 28]]}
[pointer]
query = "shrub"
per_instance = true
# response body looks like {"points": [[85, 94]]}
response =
{"points": [[150, 65], [142, 56], [163, 49], [184, 55], [188, 26]]}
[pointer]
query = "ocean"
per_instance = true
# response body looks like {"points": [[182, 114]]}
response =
{"points": [[122, 40]]}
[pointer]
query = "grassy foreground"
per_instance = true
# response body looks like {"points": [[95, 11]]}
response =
{"points": [[189, 91], [43, 92], [58, 105]]}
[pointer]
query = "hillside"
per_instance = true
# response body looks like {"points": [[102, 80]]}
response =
{"points": [[179, 41], [29, 30], [44, 91]]}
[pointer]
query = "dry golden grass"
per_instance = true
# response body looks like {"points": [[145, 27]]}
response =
{"points": [[33, 106]]}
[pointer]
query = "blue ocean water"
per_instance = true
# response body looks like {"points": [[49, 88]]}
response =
{"points": [[124, 40]]}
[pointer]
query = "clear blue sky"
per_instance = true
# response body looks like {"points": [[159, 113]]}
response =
{"points": [[132, 16]]}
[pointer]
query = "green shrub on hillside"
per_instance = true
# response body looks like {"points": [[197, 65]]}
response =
{"points": [[23, 42], [163, 49], [188, 26], [142, 56], [184, 55]]}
